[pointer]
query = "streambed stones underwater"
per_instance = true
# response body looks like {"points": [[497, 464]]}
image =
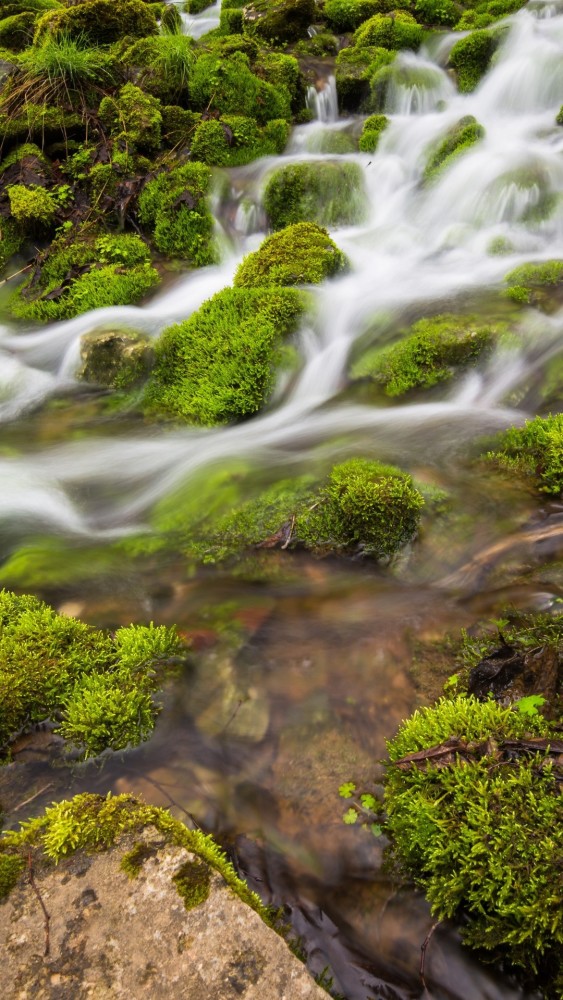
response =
{"points": [[289, 387]]}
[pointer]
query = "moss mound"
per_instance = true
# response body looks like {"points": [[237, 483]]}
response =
{"points": [[174, 208], [278, 20], [481, 828], [398, 31], [330, 194], [347, 15], [219, 365], [97, 686], [88, 273], [471, 58], [529, 283], [460, 137], [227, 85], [234, 140], [371, 132], [99, 22], [300, 254], [356, 68], [535, 451], [132, 118], [432, 351]]}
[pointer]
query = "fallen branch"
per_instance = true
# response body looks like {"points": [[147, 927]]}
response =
{"points": [[46, 917], [15, 274], [32, 797], [423, 948]]}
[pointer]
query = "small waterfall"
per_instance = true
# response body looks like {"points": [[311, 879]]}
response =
{"points": [[417, 86], [324, 101]]}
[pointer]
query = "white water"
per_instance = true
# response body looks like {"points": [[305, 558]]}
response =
{"points": [[418, 246]]}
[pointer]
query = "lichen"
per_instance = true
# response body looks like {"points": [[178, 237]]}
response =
{"points": [[299, 254]]}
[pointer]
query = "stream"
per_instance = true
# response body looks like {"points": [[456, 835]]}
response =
{"points": [[296, 681]]}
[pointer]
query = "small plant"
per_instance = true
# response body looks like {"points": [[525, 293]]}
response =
{"points": [[534, 451]]}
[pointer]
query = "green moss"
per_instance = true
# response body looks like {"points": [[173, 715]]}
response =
{"points": [[234, 140], [11, 240], [193, 882], [483, 839], [133, 861], [133, 117], [387, 74], [163, 65], [400, 31], [471, 58], [40, 122], [99, 22], [431, 352], [371, 132], [329, 194], [178, 125], [442, 12], [92, 823], [16, 32], [228, 86], [355, 68], [486, 13], [347, 15], [11, 867], [88, 273], [534, 450], [31, 204], [174, 207], [526, 282], [196, 6], [278, 20], [460, 137], [27, 149], [99, 687], [219, 365], [321, 44], [300, 254]]}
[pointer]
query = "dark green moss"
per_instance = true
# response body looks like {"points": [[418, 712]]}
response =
{"points": [[174, 207], [278, 20], [535, 451], [219, 365], [471, 58], [356, 67], [300, 254], [99, 22], [460, 137], [11, 867], [132, 862], [328, 193], [431, 352], [193, 882], [133, 118], [16, 32], [347, 15], [11, 240], [162, 65]]}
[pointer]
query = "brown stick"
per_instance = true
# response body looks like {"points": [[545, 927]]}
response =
{"points": [[15, 274], [32, 797], [46, 917], [423, 948]]}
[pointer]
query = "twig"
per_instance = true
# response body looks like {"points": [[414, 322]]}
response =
{"points": [[15, 274], [47, 918], [288, 539], [423, 948], [32, 797]]}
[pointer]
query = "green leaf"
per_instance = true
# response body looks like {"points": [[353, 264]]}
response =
{"points": [[347, 790], [452, 682], [368, 801], [350, 817], [376, 829], [530, 704]]}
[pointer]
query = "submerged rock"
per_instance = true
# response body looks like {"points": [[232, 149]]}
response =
{"points": [[117, 359]]}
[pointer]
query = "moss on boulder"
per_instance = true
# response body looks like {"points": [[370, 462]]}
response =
{"points": [[278, 20], [328, 193], [471, 58], [297, 255], [534, 451], [234, 140], [133, 117], [347, 15], [531, 284], [460, 137], [396, 31], [356, 67], [16, 31], [371, 132], [174, 207], [227, 85], [99, 22]]}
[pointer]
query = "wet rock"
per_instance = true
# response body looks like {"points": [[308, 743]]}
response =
{"points": [[511, 673], [118, 359], [237, 709], [118, 938]]}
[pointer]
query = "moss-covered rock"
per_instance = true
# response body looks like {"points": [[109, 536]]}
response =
{"points": [[234, 140], [534, 451], [347, 15], [118, 359], [16, 32], [471, 58], [98, 687], [133, 117], [87, 273], [485, 13], [328, 193], [219, 365], [40, 122], [437, 12], [432, 351], [479, 828], [371, 132], [356, 66], [278, 20], [300, 254], [398, 31], [162, 65], [174, 207], [99, 22], [531, 284], [228, 86], [11, 240], [460, 137]]}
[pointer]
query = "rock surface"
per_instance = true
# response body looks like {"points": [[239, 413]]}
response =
{"points": [[112, 937]]}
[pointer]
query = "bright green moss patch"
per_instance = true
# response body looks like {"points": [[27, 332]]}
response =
{"points": [[482, 832], [431, 352], [234, 140], [132, 117], [471, 58], [89, 273], [163, 64], [330, 194], [16, 31], [193, 881], [174, 207], [92, 823], [534, 450], [97, 686], [300, 254], [347, 15], [371, 132], [31, 204], [219, 365], [228, 86], [356, 67], [400, 31], [460, 137], [526, 282]]}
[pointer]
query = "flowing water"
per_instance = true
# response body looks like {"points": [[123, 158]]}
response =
{"points": [[296, 682]]}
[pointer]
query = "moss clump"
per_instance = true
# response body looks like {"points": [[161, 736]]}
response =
{"points": [[234, 140], [486, 13], [219, 365], [99, 22], [193, 882], [31, 205], [298, 255], [39, 121], [460, 137], [97, 686], [89, 273], [228, 86], [278, 20], [527, 282], [133, 861], [371, 132], [92, 823], [347, 15], [471, 58], [162, 65], [16, 31], [174, 207], [356, 67], [132, 117], [442, 12], [534, 450], [11, 867], [330, 194], [431, 352], [400, 31], [484, 836]]}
